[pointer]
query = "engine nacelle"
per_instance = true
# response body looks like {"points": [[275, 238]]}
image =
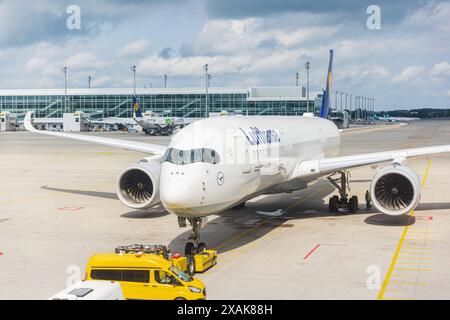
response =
{"points": [[395, 190], [138, 185]]}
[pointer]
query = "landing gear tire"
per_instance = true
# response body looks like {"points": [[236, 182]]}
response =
{"points": [[190, 265], [201, 247], [333, 204], [353, 204], [189, 249]]}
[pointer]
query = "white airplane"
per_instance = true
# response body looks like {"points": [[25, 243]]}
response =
{"points": [[218, 163], [156, 124]]}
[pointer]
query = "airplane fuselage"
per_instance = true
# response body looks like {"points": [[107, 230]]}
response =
{"points": [[217, 163]]}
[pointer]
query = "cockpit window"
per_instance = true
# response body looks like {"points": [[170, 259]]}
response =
{"points": [[182, 157]]}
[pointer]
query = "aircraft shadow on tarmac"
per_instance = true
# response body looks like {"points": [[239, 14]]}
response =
{"points": [[381, 219], [155, 212], [151, 213], [97, 194], [238, 227]]}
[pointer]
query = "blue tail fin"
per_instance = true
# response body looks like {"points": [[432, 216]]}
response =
{"points": [[325, 109], [137, 109]]}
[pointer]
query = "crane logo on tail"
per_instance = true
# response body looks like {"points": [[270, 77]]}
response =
{"points": [[137, 109]]}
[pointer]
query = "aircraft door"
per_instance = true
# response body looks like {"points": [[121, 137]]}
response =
{"points": [[241, 154]]}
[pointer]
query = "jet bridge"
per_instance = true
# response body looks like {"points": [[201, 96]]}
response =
{"points": [[8, 121]]}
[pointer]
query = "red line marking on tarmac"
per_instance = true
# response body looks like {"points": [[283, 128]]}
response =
{"points": [[425, 217], [311, 252], [71, 208]]}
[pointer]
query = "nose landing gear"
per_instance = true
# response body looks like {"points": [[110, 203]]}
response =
{"points": [[195, 246], [342, 201]]}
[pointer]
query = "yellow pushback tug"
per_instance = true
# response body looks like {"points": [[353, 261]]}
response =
{"points": [[152, 272]]}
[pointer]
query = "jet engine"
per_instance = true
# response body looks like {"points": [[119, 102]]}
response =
{"points": [[138, 185], [395, 190]]}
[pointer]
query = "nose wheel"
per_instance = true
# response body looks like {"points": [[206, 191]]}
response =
{"points": [[195, 246]]}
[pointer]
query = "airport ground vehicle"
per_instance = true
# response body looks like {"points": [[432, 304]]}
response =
{"points": [[191, 264], [91, 290], [145, 276]]}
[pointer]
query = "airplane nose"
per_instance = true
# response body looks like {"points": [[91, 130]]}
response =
{"points": [[176, 194], [172, 199]]}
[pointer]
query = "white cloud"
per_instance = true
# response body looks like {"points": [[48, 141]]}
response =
{"points": [[101, 81], [192, 66], [134, 48], [410, 73], [230, 37], [433, 16], [441, 69], [86, 61]]}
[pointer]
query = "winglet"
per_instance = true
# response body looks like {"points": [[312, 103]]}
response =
{"points": [[325, 109], [27, 122]]}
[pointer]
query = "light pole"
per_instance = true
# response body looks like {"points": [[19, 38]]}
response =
{"points": [[165, 81], [64, 70], [133, 70], [307, 67], [89, 81], [205, 68], [296, 79]]}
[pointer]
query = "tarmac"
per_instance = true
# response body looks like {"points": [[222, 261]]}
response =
{"points": [[58, 207]]}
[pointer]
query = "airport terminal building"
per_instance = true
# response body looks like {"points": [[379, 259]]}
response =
{"points": [[177, 102]]}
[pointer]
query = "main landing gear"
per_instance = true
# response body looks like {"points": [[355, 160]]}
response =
{"points": [[342, 201]]}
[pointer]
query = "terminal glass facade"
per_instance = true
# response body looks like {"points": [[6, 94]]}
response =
{"points": [[173, 104]]}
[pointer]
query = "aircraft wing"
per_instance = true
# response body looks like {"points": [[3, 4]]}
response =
{"points": [[330, 165], [124, 144]]}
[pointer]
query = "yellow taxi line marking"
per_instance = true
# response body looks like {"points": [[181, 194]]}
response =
{"points": [[416, 252], [413, 269], [424, 263], [402, 276], [240, 235], [400, 244], [408, 283]]}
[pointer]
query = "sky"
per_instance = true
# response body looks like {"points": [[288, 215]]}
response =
{"points": [[403, 64]]}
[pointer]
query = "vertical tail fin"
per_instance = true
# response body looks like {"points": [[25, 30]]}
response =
{"points": [[137, 109], [325, 109]]}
